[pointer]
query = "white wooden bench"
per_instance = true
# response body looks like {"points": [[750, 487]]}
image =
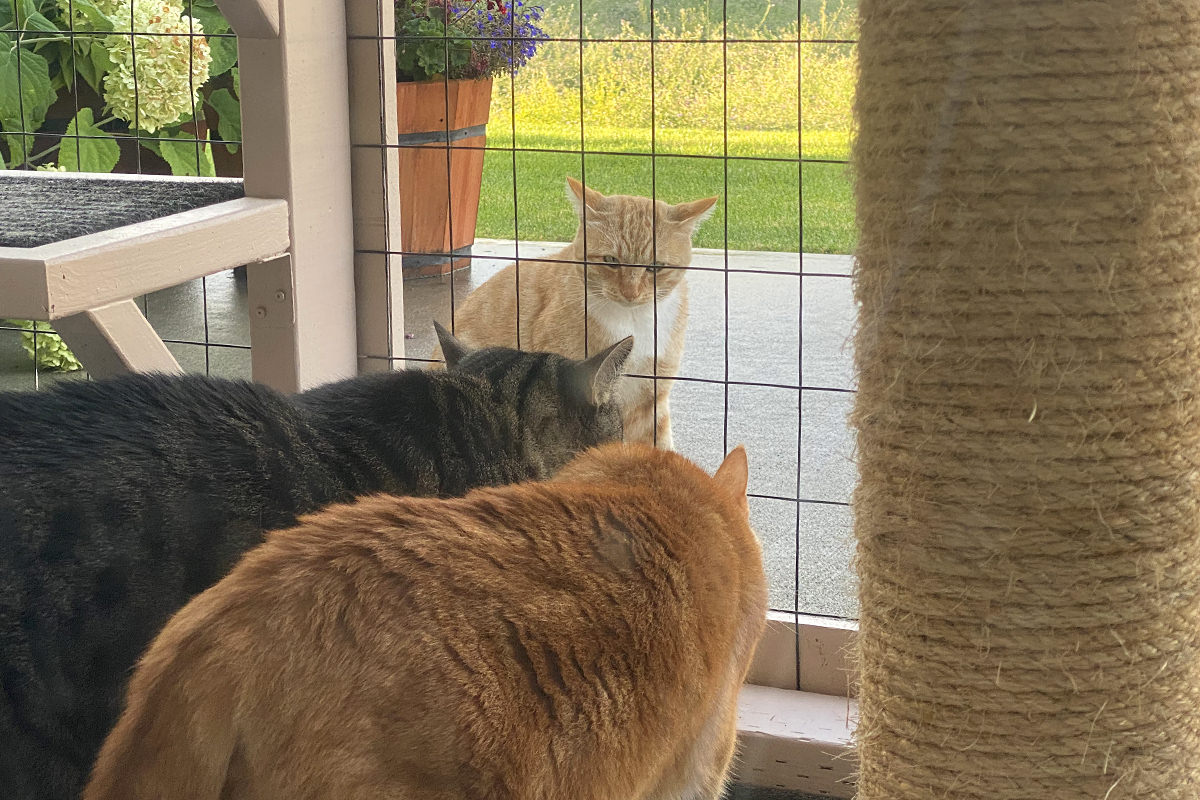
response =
{"points": [[75, 249]]}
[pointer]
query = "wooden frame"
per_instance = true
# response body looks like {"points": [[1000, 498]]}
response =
{"points": [[114, 339], [85, 285], [69, 277], [254, 19], [822, 645], [796, 717], [296, 146], [375, 180], [798, 741]]}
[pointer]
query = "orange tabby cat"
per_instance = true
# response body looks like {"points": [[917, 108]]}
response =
{"points": [[620, 298], [581, 638]]}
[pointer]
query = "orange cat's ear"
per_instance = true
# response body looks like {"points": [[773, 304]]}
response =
{"points": [[695, 212], [452, 348], [579, 195], [598, 375], [734, 475]]}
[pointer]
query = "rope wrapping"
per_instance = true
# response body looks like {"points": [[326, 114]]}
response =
{"points": [[1028, 415]]}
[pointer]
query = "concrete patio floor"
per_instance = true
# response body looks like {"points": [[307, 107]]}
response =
{"points": [[798, 441]]}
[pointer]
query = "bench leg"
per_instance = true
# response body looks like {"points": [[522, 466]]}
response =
{"points": [[116, 339]]}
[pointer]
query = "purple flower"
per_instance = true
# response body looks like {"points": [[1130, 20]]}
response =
{"points": [[487, 37]]}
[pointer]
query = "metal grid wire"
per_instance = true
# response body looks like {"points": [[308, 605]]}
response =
{"points": [[764, 361], [741, 387], [203, 321]]}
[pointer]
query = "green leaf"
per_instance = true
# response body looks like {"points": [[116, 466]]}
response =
{"points": [[36, 22], [32, 20], [229, 119], [61, 55], [406, 60], [101, 62], [85, 67], [223, 50], [25, 89], [92, 62], [19, 148], [237, 81], [99, 154], [97, 19], [209, 17], [181, 155]]}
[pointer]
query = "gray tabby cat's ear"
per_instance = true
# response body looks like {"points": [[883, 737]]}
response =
{"points": [[598, 375], [452, 349]]}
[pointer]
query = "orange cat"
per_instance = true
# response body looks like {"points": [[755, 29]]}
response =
{"points": [[620, 298], [581, 638]]}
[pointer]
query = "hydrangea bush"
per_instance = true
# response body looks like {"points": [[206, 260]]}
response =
{"points": [[46, 349], [150, 62], [157, 77], [468, 39]]}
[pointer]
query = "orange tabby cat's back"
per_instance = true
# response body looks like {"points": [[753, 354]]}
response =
{"points": [[580, 638]]}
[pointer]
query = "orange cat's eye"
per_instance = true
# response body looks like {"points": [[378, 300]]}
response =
{"points": [[610, 260], [656, 266]]}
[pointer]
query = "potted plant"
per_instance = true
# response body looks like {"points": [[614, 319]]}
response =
{"points": [[447, 52]]}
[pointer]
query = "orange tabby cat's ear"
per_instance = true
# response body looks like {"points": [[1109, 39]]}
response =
{"points": [[694, 212], [579, 194], [734, 475], [598, 375], [452, 348]]}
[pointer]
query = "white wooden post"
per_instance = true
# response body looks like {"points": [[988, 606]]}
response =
{"points": [[379, 280], [254, 19], [296, 146]]}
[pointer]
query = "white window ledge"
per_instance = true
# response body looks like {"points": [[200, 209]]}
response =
{"points": [[798, 741]]}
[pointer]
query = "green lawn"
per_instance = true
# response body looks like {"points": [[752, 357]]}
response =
{"points": [[762, 204], [604, 17]]}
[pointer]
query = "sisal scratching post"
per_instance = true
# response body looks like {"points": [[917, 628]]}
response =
{"points": [[1028, 519]]}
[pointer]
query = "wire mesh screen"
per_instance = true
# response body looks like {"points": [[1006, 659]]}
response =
{"points": [[124, 86], [674, 100]]}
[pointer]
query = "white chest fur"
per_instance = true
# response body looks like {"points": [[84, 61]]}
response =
{"points": [[621, 320]]}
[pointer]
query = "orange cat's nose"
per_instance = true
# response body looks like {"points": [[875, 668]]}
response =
{"points": [[630, 292]]}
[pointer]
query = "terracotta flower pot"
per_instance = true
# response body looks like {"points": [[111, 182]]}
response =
{"points": [[441, 126]]}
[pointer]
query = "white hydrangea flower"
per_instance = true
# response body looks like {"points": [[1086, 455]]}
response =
{"points": [[166, 89]]}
